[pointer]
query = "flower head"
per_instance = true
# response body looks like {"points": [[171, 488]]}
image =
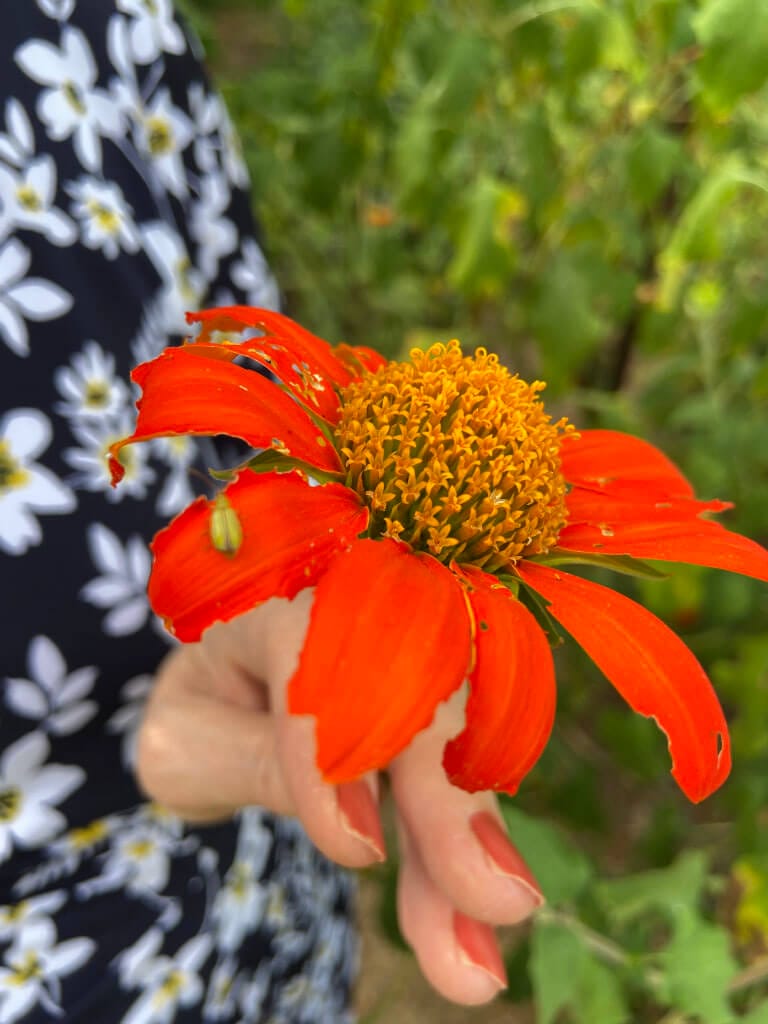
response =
{"points": [[444, 502]]}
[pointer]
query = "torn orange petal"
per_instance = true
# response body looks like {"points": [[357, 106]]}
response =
{"points": [[290, 532], [186, 394], [305, 380], [511, 706], [697, 542], [300, 342], [651, 668], [388, 640], [602, 458], [634, 506]]}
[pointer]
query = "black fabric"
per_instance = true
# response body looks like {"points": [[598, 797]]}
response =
{"points": [[122, 203]]}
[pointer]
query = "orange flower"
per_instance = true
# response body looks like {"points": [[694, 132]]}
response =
{"points": [[446, 501]]}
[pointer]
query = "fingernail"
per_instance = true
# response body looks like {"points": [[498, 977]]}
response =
{"points": [[503, 856], [360, 815], [478, 948]]}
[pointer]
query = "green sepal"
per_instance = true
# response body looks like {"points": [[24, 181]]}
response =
{"points": [[536, 605], [618, 563], [269, 461]]}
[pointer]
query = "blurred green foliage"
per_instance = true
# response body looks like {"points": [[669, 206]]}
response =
{"points": [[583, 187]]}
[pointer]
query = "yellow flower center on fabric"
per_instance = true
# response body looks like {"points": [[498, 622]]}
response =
{"points": [[106, 218], [10, 803], [12, 473], [159, 136], [96, 394], [88, 835], [140, 849], [74, 97], [456, 456], [169, 989], [29, 199], [27, 969]]}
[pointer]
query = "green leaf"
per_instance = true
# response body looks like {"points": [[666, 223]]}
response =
{"points": [[671, 890], [599, 998], [561, 869], [699, 966], [557, 959], [563, 315], [751, 874], [485, 250], [565, 974], [699, 231], [758, 1016], [653, 159], [734, 34]]}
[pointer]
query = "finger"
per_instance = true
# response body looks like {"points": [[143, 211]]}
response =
{"points": [[459, 836], [204, 757], [457, 955], [342, 821]]}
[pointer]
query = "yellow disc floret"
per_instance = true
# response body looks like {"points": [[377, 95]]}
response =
{"points": [[456, 456]]}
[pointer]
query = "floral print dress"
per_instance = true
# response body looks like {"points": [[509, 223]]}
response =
{"points": [[122, 204]]}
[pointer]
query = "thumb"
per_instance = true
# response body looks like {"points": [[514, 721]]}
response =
{"points": [[201, 755]]}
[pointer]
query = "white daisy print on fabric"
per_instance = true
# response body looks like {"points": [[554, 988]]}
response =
{"points": [[215, 234], [206, 114], [14, 917], [239, 906], [52, 696], [221, 997], [17, 142], [139, 860], [241, 902], [232, 150], [26, 199], [89, 385], [183, 285], [169, 983], [58, 9], [34, 967], [253, 993], [122, 583], [252, 274], [27, 489], [151, 337], [179, 453], [90, 460], [153, 29], [25, 298], [66, 852], [28, 790], [127, 718], [162, 133], [106, 219], [70, 104]]}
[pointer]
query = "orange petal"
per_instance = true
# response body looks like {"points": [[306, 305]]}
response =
{"points": [[389, 639], [300, 342], [600, 458], [290, 533], [304, 381], [651, 668], [625, 505], [697, 542], [511, 705], [184, 393], [298, 367]]}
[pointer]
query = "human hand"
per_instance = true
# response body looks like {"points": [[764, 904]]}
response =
{"points": [[216, 737]]}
